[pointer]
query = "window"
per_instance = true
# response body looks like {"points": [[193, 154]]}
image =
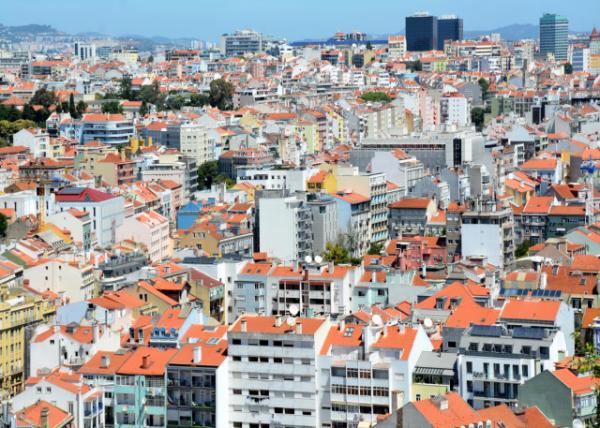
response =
{"points": [[418, 397], [525, 370], [469, 367]]}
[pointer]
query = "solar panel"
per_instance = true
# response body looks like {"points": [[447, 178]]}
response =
{"points": [[71, 191], [528, 333], [486, 330]]}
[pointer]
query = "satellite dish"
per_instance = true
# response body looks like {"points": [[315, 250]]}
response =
{"points": [[294, 309], [377, 320], [318, 259], [290, 321], [308, 259], [578, 423], [428, 323]]}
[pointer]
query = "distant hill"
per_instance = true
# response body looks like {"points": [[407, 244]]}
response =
{"points": [[30, 29], [508, 32]]}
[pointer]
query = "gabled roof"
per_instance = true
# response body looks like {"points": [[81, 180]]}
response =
{"points": [[346, 335], [147, 361], [530, 310], [578, 384], [400, 338], [31, 416], [268, 325], [96, 365], [82, 194]]}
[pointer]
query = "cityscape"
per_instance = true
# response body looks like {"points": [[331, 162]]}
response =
{"points": [[370, 227]]}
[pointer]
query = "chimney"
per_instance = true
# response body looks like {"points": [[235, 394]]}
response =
{"points": [[197, 354], [244, 325], [95, 332], [443, 403], [44, 418], [298, 327], [402, 328], [145, 362], [342, 325], [330, 267], [385, 328], [278, 321], [373, 277], [105, 361]]}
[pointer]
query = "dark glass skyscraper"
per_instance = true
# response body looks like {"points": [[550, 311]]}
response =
{"points": [[554, 36], [449, 28], [421, 32]]}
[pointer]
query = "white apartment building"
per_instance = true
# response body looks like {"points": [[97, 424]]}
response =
{"points": [[366, 371], [495, 359], [267, 178], [69, 279], [455, 109], [150, 229], [69, 345], [285, 227], [273, 371], [66, 390], [194, 142], [315, 290]]}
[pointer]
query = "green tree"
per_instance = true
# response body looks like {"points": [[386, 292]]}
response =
{"points": [[144, 110], [221, 94], [375, 249], [28, 113], [336, 252], [149, 93], [523, 249], [112, 107], [125, 91], [478, 117], [175, 102], [376, 96], [3, 225], [198, 100], [568, 68], [207, 172], [44, 98], [81, 108], [72, 109], [484, 85]]}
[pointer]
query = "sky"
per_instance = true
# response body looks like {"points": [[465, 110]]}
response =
{"points": [[290, 19]]}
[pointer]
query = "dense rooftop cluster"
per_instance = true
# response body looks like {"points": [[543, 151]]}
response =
{"points": [[346, 233]]}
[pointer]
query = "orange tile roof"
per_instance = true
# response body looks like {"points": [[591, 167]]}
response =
{"points": [[349, 336], [95, 364], [530, 310], [536, 164], [533, 417], [147, 361], [31, 416], [538, 205], [578, 384], [470, 313], [412, 203], [210, 355], [458, 413], [267, 325], [397, 339]]}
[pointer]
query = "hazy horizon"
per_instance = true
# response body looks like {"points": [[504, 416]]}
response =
{"points": [[291, 20]]}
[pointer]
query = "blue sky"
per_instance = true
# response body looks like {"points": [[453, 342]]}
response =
{"points": [[293, 19]]}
